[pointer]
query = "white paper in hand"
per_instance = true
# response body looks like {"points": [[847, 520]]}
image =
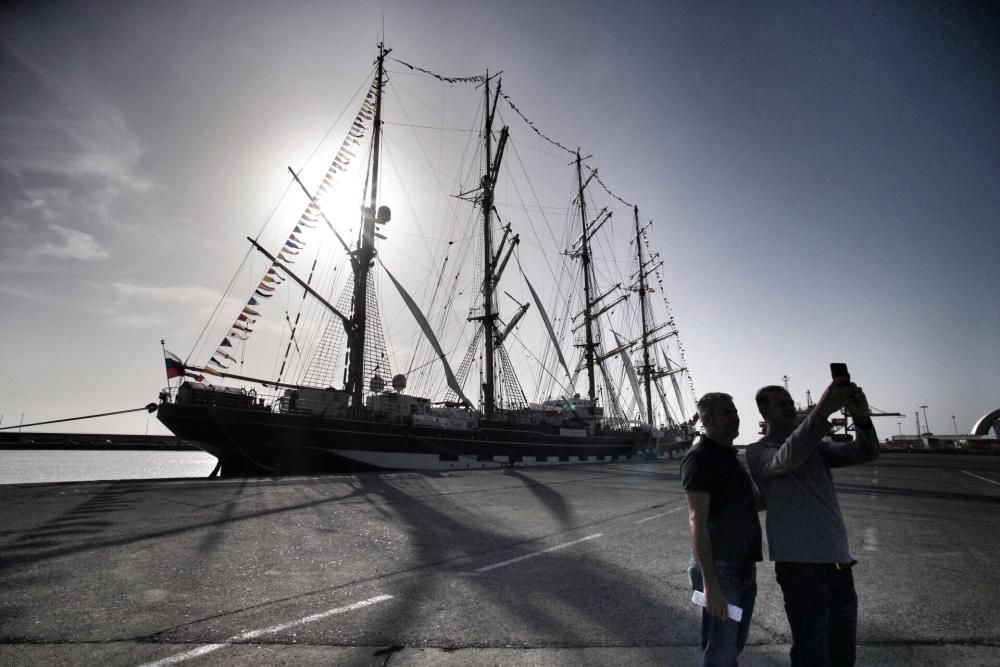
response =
{"points": [[735, 613]]}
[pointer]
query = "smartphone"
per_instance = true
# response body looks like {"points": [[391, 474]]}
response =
{"points": [[839, 370]]}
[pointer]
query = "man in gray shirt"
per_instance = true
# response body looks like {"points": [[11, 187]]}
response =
{"points": [[806, 535]]}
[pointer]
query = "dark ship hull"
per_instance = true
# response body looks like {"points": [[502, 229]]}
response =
{"points": [[252, 440]]}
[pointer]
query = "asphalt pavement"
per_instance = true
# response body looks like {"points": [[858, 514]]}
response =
{"points": [[572, 565]]}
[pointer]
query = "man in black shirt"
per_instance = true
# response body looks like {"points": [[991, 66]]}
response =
{"points": [[725, 530]]}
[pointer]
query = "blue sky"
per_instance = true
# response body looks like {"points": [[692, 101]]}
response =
{"points": [[823, 176]]}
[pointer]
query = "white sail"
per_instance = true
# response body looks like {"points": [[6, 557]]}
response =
{"points": [[677, 386], [632, 377], [663, 401], [548, 327], [426, 328]]}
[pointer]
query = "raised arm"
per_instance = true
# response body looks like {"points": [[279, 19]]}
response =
{"points": [[771, 462], [864, 447], [767, 461]]}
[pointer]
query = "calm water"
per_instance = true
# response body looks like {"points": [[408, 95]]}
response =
{"points": [[57, 465]]}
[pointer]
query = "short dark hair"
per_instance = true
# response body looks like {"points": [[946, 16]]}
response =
{"points": [[709, 402], [764, 394]]}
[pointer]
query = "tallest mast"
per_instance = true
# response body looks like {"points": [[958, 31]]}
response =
{"points": [[489, 316], [365, 255], [489, 312]]}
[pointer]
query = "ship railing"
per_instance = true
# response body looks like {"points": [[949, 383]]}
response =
{"points": [[246, 398]]}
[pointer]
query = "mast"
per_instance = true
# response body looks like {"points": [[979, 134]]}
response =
{"points": [[647, 370], [490, 315], [365, 255], [589, 346]]}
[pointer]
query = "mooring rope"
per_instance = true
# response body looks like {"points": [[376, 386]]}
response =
{"points": [[151, 407]]}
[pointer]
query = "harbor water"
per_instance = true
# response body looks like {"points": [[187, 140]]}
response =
{"points": [[59, 465]]}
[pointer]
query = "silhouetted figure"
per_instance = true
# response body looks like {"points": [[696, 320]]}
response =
{"points": [[725, 530], [806, 535]]}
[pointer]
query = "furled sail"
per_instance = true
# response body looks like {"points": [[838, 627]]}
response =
{"points": [[426, 327]]}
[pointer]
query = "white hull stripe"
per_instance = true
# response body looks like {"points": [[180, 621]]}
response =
{"points": [[407, 461]]}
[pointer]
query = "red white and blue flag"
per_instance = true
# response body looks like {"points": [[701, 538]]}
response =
{"points": [[176, 368]]}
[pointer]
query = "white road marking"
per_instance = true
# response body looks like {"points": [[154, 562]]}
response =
{"points": [[871, 539], [657, 516], [538, 553], [253, 634], [982, 478], [187, 655]]}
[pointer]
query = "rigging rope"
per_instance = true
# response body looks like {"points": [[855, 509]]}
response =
{"points": [[559, 145], [479, 79], [452, 80]]}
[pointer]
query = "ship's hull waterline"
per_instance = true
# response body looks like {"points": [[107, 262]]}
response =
{"points": [[251, 442]]}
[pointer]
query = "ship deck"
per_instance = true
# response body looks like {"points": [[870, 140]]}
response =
{"points": [[575, 565]]}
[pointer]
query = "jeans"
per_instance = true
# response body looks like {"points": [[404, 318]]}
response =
{"points": [[822, 610], [723, 639]]}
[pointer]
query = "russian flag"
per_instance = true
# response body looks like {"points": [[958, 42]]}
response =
{"points": [[175, 367]]}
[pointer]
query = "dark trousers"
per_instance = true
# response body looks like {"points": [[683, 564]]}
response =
{"points": [[723, 639], [822, 610]]}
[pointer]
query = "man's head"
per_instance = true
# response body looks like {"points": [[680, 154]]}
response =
{"points": [[719, 417], [776, 407]]}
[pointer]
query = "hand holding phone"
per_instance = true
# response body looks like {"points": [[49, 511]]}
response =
{"points": [[835, 396], [856, 402], [839, 370]]}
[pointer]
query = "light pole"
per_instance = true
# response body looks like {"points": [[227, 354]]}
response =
{"points": [[954, 424], [927, 426], [899, 425]]}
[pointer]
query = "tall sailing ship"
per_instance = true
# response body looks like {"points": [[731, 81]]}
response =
{"points": [[331, 402]]}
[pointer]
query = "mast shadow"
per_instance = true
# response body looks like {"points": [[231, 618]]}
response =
{"points": [[216, 533], [549, 497], [558, 611]]}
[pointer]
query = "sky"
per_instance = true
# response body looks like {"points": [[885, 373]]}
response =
{"points": [[824, 177]]}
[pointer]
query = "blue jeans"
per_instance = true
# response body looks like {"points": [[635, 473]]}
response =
{"points": [[723, 639], [822, 610]]}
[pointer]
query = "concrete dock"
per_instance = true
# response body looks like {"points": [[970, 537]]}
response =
{"points": [[575, 565]]}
